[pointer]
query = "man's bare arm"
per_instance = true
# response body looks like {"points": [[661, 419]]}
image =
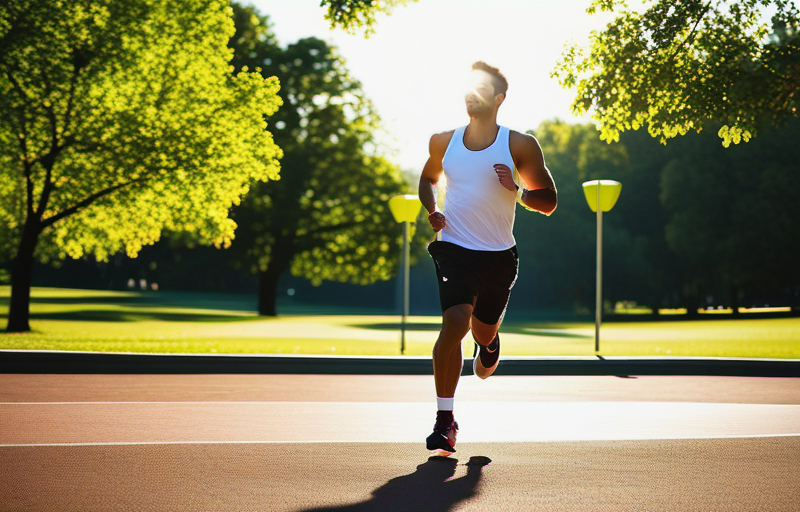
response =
{"points": [[539, 192], [430, 177]]}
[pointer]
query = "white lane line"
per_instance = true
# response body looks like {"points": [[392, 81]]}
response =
{"points": [[348, 441]]}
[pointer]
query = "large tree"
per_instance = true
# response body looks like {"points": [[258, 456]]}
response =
{"points": [[327, 218], [680, 65], [119, 120]]}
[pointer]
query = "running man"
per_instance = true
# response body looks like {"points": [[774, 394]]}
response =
{"points": [[475, 252]]}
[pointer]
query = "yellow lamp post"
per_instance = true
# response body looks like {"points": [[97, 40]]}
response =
{"points": [[405, 209], [602, 193]]}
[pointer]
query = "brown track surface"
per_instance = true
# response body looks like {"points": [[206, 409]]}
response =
{"points": [[392, 388], [193, 472], [721, 474]]}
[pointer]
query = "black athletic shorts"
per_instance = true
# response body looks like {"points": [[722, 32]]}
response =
{"points": [[481, 278]]}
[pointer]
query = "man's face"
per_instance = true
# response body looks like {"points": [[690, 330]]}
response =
{"points": [[480, 95]]}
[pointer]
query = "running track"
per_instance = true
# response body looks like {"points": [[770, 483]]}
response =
{"points": [[354, 443]]}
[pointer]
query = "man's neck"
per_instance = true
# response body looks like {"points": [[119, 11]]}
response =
{"points": [[481, 132]]}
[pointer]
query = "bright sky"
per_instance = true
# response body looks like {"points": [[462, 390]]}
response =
{"points": [[413, 67]]}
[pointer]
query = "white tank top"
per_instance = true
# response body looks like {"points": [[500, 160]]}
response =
{"points": [[479, 210]]}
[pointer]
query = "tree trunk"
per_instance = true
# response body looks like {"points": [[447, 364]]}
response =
{"points": [[282, 254], [268, 292], [692, 300], [734, 299], [21, 280]]}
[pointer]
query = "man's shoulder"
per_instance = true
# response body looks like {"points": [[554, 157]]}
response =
{"points": [[522, 138], [522, 142], [442, 139], [445, 135]]}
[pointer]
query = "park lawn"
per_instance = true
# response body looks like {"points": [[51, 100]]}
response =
{"points": [[102, 321], [758, 338]]}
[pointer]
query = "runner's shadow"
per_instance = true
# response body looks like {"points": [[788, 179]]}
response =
{"points": [[427, 489]]}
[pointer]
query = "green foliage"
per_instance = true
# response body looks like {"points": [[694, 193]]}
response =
{"points": [[575, 154], [694, 220], [346, 232], [687, 65], [122, 119], [733, 212], [557, 253], [352, 15], [328, 217]]}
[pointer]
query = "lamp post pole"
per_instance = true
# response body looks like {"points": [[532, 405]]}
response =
{"points": [[601, 195], [406, 281], [405, 209], [598, 300]]}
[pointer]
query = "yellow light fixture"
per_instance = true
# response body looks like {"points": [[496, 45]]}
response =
{"points": [[405, 208], [608, 194]]}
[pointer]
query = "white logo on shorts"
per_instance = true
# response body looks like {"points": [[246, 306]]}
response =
{"points": [[444, 278]]}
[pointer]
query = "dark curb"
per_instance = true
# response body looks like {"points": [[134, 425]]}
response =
{"points": [[56, 362]]}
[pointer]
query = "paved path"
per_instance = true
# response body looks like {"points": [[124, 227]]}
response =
{"points": [[297, 442]]}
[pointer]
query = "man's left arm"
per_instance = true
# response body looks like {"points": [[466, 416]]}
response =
{"points": [[539, 190]]}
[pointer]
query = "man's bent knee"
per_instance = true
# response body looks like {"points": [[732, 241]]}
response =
{"points": [[483, 333]]}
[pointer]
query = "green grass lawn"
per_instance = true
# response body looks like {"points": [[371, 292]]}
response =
{"points": [[162, 322]]}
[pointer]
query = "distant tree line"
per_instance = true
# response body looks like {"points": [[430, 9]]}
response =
{"points": [[697, 225]]}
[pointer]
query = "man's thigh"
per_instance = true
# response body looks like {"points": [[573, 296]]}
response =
{"points": [[490, 307], [492, 298], [458, 283]]}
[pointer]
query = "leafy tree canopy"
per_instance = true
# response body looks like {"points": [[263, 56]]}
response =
{"points": [[122, 119], [680, 65], [352, 15]]}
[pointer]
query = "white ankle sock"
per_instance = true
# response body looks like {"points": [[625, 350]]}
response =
{"points": [[444, 404]]}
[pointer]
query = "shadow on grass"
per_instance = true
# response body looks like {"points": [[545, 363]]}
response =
{"points": [[188, 300], [555, 333], [395, 326], [506, 328], [92, 299], [90, 306], [430, 488], [101, 315]]}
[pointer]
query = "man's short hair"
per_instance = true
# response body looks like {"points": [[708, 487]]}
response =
{"points": [[498, 80]]}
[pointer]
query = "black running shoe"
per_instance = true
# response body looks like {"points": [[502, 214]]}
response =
{"points": [[443, 439], [486, 358]]}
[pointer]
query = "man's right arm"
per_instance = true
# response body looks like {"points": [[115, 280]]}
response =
{"points": [[431, 173]]}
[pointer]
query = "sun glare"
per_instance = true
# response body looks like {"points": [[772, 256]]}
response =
{"points": [[426, 50]]}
